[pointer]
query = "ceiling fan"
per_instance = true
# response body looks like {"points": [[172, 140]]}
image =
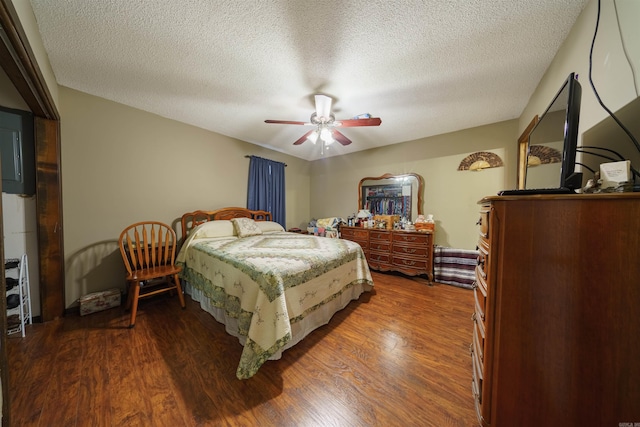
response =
{"points": [[325, 123]]}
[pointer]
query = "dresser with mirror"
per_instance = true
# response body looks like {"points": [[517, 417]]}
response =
{"points": [[390, 249], [389, 194]]}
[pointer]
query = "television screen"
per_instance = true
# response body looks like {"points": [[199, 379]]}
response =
{"points": [[551, 156]]}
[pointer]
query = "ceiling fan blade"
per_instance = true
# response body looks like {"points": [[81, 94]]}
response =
{"points": [[287, 122], [303, 138], [340, 137], [373, 121], [323, 107]]}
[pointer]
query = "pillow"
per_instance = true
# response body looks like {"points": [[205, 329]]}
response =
{"points": [[222, 228], [269, 226], [245, 227]]}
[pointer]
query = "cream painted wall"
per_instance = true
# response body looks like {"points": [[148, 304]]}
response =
{"points": [[613, 74], [450, 195], [121, 165]]}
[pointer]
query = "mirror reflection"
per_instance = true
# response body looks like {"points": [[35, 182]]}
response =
{"points": [[546, 141], [544, 165], [392, 195]]}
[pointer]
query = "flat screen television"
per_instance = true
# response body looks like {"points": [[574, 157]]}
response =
{"points": [[551, 156], [551, 151]]}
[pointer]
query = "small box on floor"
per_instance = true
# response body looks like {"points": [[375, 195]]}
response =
{"points": [[99, 301]]}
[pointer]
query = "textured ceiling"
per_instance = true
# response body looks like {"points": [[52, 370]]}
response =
{"points": [[425, 67]]}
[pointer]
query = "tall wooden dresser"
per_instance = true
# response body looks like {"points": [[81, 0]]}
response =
{"points": [[409, 252], [556, 327]]}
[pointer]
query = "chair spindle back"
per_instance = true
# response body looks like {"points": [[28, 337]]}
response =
{"points": [[148, 244]]}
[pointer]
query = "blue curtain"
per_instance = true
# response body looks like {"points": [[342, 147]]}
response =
{"points": [[266, 188]]}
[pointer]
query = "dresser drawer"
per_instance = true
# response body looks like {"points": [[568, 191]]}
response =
{"points": [[477, 368], [379, 258], [481, 283], [415, 264], [415, 251], [477, 321], [483, 262], [476, 401], [357, 235], [346, 232], [380, 246], [380, 235], [477, 375], [354, 233], [411, 238], [478, 339], [481, 301], [483, 222]]}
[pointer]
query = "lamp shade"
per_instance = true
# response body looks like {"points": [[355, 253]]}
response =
{"points": [[325, 135], [363, 213], [313, 136]]}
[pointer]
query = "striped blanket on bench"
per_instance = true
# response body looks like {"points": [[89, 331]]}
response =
{"points": [[454, 266]]}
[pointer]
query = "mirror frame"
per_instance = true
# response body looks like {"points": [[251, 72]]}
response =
{"points": [[392, 176], [523, 151]]}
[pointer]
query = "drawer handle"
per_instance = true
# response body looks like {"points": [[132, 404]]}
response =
{"points": [[409, 238], [411, 263], [479, 221], [480, 261], [408, 251], [474, 285]]}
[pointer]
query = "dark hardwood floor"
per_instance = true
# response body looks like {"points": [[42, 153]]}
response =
{"points": [[397, 357]]}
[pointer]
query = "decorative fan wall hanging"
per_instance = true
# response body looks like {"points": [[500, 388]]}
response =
{"points": [[480, 160], [541, 154], [325, 124]]}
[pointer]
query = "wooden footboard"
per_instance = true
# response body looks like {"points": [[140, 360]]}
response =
{"points": [[191, 220]]}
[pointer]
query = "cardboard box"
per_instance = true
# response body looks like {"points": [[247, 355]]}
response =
{"points": [[99, 301]]}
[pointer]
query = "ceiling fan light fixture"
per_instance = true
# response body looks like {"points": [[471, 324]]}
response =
{"points": [[313, 136], [325, 135]]}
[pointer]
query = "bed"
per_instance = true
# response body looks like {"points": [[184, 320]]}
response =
{"points": [[270, 288]]}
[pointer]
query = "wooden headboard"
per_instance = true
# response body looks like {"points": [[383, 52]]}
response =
{"points": [[191, 220]]}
